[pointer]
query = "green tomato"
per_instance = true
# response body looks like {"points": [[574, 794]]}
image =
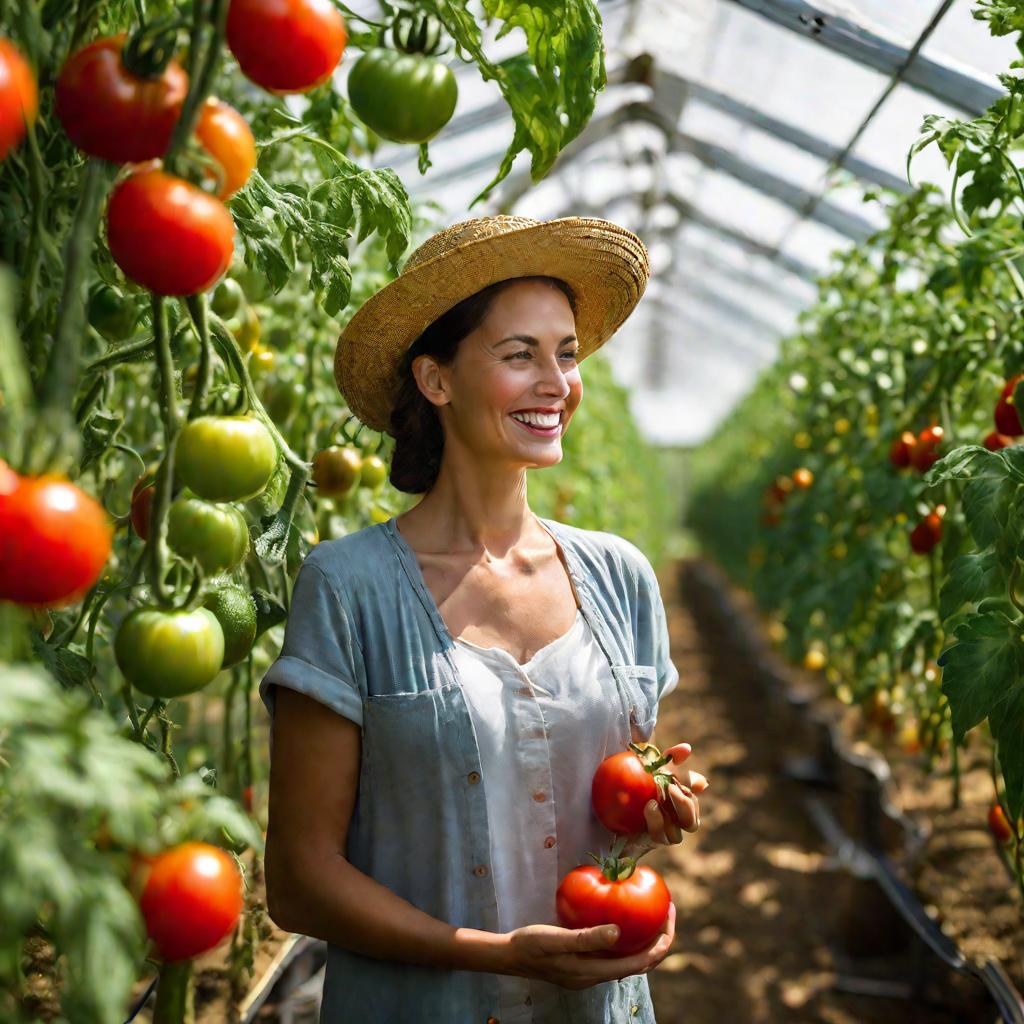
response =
{"points": [[111, 313], [254, 283], [216, 536], [405, 97], [336, 470], [226, 458], [169, 653], [374, 472], [227, 298], [236, 612], [282, 399]]}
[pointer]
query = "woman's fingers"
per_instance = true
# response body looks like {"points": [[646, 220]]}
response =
{"points": [[686, 807], [660, 826]]}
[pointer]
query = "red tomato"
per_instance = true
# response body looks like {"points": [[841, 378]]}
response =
{"points": [[167, 235], [54, 542], [926, 451], [994, 441], [638, 903], [227, 137], [286, 45], [803, 478], [625, 783], [143, 494], [998, 825], [109, 112], [902, 449], [9, 480], [1006, 417], [19, 101], [191, 899], [928, 533]]}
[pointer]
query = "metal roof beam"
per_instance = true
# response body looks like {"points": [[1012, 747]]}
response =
{"points": [[963, 89], [785, 132]]}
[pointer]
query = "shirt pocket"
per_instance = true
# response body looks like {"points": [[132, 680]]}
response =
{"points": [[637, 684]]}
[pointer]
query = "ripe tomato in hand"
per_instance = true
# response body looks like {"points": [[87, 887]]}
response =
{"points": [[286, 45], [167, 235], [109, 112], [625, 783], [227, 137], [54, 541], [620, 892], [19, 100], [191, 899]]}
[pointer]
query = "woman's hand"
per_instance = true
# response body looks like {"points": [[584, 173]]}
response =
{"points": [[566, 956], [662, 828]]}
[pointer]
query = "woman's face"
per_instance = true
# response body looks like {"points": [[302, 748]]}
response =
{"points": [[519, 365]]}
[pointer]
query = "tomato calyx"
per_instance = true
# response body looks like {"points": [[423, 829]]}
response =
{"points": [[654, 761], [150, 48], [417, 32], [614, 866]]}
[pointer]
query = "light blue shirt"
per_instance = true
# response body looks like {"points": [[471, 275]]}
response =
{"points": [[365, 637]]}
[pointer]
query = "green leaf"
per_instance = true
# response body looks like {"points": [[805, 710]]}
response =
{"points": [[972, 577], [980, 669], [550, 89]]}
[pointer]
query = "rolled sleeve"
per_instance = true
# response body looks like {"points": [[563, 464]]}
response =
{"points": [[321, 656]]}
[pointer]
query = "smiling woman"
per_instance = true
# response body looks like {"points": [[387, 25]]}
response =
{"points": [[451, 679]]}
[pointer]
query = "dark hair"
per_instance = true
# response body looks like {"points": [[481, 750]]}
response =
{"points": [[415, 425]]}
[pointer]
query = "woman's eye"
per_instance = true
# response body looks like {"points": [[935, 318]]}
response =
{"points": [[571, 354]]}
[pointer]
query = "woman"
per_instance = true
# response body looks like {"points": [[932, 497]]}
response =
{"points": [[450, 679]]}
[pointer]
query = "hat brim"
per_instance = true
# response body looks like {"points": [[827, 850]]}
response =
{"points": [[605, 265]]}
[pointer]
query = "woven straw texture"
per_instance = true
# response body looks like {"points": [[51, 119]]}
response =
{"points": [[605, 264]]}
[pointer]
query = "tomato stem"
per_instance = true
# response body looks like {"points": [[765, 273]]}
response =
{"points": [[175, 994]]}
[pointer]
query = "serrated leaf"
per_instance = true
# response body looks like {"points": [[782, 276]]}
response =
{"points": [[98, 433], [972, 577], [980, 669]]}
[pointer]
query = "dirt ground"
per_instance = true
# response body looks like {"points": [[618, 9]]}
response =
{"points": [[754, 892]]}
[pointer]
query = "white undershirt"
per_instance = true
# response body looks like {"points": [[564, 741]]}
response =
{"points": [[542, 730]]}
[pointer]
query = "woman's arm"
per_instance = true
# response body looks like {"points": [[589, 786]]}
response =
{"points": [[311, 888]]}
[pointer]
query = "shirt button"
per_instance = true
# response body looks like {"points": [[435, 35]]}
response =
{"points": [[540, 797], [480, 870], [634, 1010], [549, 842], [473, 778]]}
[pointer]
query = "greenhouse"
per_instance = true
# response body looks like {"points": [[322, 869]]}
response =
{"points": [[370, 641]]}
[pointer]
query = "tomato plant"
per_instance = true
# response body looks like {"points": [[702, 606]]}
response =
{"points": [[926, 450], [54, 542], [168, 235], [191, 899], [1006, 416], [112, 112], [227, 137], [216, 536], [619, 892], [226, 458], [19, 101], [169, 653], [142, 503], [902, 449], [111, 313], [286, 45]]}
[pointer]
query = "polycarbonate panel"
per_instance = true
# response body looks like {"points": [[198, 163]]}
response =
{"points": [[740, 207], [896, 127], [783, 74], [813, 243], [901, 21]]}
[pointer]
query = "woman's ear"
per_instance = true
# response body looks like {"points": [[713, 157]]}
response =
{"points": [[430, 379]]}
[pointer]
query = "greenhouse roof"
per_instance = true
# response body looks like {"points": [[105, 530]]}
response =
{"points": [[737, 138]]}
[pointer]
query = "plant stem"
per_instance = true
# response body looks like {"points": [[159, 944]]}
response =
{"points": [[175, 994]]}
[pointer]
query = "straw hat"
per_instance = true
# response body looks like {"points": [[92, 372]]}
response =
{"points": [[605, 265]]}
